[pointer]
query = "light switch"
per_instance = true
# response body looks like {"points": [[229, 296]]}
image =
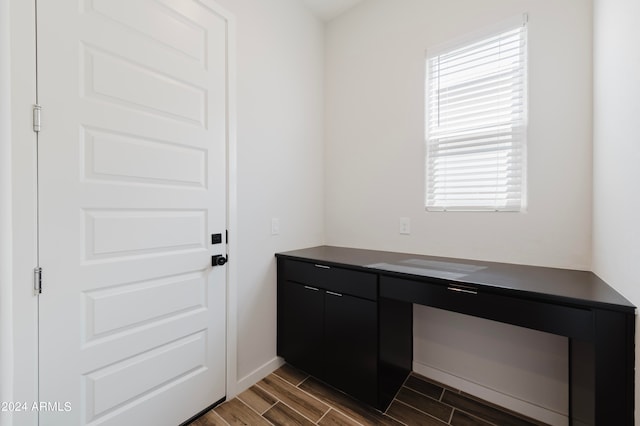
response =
{"points": [[275, 226]]}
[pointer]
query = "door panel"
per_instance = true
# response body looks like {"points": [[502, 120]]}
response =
{"points": [[132, 182]]}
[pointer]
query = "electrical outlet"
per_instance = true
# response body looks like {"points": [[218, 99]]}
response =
{"points": [[275, 226], [405, 226]]}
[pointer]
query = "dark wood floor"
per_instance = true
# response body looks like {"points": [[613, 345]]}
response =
{"points": [[291, 397]]}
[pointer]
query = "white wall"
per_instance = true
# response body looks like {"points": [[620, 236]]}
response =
{"points": [[6, 232], [22, 202], [280, 160], [374, 161], [616, 203]]}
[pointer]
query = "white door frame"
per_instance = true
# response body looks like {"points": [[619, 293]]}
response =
{"points": [[18, 207]]}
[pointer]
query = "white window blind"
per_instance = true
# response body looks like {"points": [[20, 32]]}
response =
{"points": [[476, 123]]}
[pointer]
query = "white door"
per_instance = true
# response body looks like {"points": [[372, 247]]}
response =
{"points": [[132, 185]]}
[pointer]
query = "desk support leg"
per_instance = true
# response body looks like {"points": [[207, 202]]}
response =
{"points": [[396, 347], [581, 383], [601, 372]]}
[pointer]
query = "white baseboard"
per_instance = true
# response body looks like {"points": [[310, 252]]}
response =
{"points": [[528, 409], [258, 374]]}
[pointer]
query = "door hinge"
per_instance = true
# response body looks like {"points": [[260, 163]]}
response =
{"points": [[37, 280], [37, 111]]}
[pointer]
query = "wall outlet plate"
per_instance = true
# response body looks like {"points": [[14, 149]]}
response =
{"points": [[405, 226]]}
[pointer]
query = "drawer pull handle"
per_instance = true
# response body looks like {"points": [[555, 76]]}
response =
{"points": [[468, 290], [322, 266], [311, 288], [334, 294]]}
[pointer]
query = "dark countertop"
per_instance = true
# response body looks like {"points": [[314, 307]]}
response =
{"points": [[581, 288]]}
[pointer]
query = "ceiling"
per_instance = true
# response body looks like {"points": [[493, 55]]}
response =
{"points": [[329, 9]]}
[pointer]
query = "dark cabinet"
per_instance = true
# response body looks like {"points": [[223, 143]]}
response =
{"points": [[302, 326], [361, 342], [351, 345], [329, 323]]}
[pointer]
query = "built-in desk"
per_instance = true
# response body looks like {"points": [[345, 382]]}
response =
{"points": [[350, 309]]}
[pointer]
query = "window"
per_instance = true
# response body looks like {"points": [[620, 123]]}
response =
{"points": [[476, 123]]}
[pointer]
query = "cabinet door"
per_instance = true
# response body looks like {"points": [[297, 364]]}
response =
{"points": [[302, 315], [351, 346]]}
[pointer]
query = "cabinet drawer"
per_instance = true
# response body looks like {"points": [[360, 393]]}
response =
{"points": [[344, 281], [552, 318]]}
